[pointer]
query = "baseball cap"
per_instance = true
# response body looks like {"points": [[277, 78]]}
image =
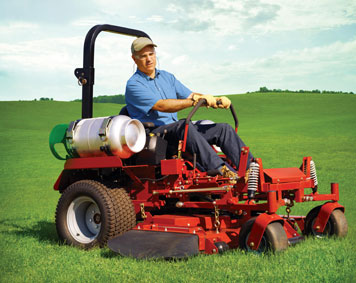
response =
{"points": [[140, 43]]}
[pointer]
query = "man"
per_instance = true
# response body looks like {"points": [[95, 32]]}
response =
{"points": [[156, 96]]}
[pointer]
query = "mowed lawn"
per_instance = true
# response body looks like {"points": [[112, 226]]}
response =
{"points": [[279, 128]]}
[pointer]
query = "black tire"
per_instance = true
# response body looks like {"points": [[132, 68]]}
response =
{"points": [[274, 238], [124, 211], [85, 215], [336, 225]]}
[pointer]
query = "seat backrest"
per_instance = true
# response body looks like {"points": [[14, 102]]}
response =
{"points": [[124, 111]]}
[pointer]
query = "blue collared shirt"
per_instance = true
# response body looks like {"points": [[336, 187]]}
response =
{"points": [[142, 93]]}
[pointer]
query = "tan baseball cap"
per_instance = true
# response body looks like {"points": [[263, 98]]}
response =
{"points": [[140, 43]]}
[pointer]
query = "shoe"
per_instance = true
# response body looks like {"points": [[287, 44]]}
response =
{"points": [[227, 173]]}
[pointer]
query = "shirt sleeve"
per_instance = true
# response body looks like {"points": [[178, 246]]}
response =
{"points": [[181, 90], [139, 97]]}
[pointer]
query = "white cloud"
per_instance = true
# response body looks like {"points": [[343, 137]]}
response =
{"points": [[216, 46], [86, 22], [309, 61], [155, 18], [174, 8], [179, 60], [329, 67], [260, 16], [17, 26], [39, 55], [312, 14]]}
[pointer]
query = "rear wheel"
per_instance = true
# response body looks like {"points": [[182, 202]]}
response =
{"points": [[86, 215], [274, 238], [336, 225], [124, 211]]}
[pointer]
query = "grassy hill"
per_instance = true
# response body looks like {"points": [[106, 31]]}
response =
{"points": [[279, 128]]}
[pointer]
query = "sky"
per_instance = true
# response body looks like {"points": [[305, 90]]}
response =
{"points": [[214, 47]]}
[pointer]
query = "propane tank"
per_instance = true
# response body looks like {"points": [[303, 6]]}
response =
{"points": [[118, 135]]}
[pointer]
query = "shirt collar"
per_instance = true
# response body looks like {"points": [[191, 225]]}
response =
{"points": [[148, 78]]}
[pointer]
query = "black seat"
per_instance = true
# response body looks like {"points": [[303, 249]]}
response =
{"points": [[157, 148], [125, 112]]}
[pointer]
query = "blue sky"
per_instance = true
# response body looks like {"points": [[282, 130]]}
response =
{"points": [[212, 46]]}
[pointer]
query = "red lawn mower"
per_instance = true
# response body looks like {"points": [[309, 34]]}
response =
{"points": [[125, 187]]}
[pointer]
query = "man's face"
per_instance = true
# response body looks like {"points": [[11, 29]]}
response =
{"points": [[145, 59]]}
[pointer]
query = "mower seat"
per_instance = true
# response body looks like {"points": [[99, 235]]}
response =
{"points": [[155, 148], [125, 112]]}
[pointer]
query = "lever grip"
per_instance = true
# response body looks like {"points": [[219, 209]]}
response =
{"points": [[196, 107]]}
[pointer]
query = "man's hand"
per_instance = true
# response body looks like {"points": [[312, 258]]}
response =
{"points": [[224, 102], [210, 100]]}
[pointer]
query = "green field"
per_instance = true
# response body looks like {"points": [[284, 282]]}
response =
{"points": [[279, 128]]}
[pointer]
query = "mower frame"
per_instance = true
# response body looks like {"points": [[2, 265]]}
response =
{"points": [[175, 196]]}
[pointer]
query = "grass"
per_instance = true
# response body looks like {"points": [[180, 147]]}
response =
{"points": [[279, 128]]}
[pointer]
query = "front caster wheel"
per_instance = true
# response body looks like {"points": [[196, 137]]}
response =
{"points": [[336, 225], [274, 238], [85, 215]]}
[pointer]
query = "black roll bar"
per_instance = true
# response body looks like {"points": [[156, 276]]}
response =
{"points": [[86, 74]]}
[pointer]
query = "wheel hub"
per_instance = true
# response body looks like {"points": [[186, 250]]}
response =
{"points": [[84, 219], [97, 218], [326, 231], [261, 248]]}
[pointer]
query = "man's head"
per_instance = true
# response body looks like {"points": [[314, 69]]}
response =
{"points": [[139, 43], [144, 55]]}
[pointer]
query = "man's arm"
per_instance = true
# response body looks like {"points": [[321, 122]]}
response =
{"points": [[172, 105], [175, 105]]}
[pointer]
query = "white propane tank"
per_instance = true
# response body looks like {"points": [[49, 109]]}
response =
{"points": [[118, 135]]}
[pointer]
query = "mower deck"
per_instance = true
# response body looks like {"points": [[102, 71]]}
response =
{"points": [[154, 244], [179, 236]]}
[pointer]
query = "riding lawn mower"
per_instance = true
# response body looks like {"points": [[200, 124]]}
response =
{"points": [[124, 187]]}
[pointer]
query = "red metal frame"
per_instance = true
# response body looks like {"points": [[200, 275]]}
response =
{"points": [[277, 187], [200, 225], [259, 227], [324, 214], [93, 162]]}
